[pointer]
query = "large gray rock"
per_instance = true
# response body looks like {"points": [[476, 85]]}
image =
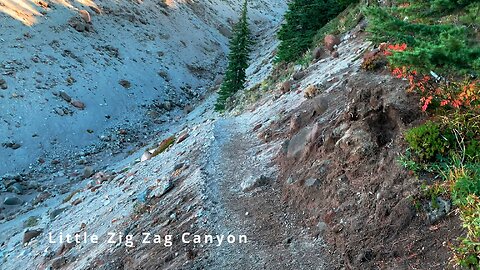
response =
{"points": [[298, 142], [12, 201], [254, 182]]}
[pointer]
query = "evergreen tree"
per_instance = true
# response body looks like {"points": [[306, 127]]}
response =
{"points": [[238, 58], [302, 21]]}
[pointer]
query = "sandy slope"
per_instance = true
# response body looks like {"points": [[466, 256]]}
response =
{"points": [[170, 53], [40, 61]]}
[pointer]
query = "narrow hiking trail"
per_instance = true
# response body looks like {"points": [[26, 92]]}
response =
{"points": [[275, 241]]}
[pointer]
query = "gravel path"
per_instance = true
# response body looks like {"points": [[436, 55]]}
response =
{"points": [[274, 239]]}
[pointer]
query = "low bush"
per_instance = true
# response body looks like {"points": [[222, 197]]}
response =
{"points": [[429, 142]]}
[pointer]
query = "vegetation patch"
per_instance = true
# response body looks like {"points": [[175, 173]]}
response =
{"points": [[433, 44]]}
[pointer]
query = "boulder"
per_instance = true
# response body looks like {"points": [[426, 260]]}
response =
{"points": [[12, 201], [254, 182], [30, 234], [330, 42]]}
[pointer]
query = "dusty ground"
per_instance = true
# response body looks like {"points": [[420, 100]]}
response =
{"points": [[340, 166]]}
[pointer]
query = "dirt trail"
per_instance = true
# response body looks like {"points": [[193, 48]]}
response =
{"points": [[274, 242]]}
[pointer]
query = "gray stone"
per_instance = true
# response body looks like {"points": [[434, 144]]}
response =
{"points": [[438, 210], [298, 142], [65, 96], [3, 84], [143, 196], [312, 182], [291, 180], [54, 213], [16, 188], [253, 182], [298, 75], [87, 172], [165, 187], [322, 226], [12, 201]]}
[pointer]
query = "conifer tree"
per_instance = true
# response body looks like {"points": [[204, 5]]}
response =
{"points": [[240, 47], [302, 21]]}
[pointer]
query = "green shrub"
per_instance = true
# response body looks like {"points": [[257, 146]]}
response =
{"points": [[465, 182], [428, 141]]}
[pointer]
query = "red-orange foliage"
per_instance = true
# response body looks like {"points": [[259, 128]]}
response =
{"points": [[455, 94]]}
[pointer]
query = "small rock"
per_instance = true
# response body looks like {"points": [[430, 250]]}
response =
{"points": [[188, 109], [253, 182], [12, 145], [54, 213], [294, 123], [286, 86], [438, 210], [182, 137], [143, 196], [165, 187], [291, 180], [312, 182], [78, 104], [85, 16], [16, 188], [3, 84], [257, 127], [59, 262], [311, 91], [41, 197], [87, 172], [178, 166], [65, 96], [77, 201], [318, 53], [12, 201], [80, 27], [29, 235], [298, 75], [322, 226], [146, 156], [167, 105], [125, 84]]}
